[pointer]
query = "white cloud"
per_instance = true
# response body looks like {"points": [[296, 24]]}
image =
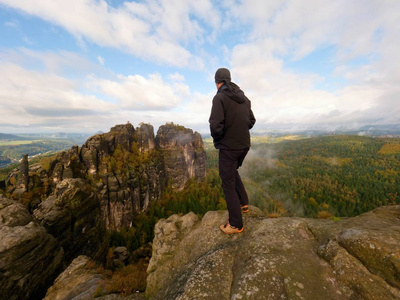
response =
{"points": [[282, 97], [12, 24], [49, 61], [292, 29], [100, 59], [297, 28], [151, 31], [140, 93], [195, 113], [31, 98], [177, 77], [256, 39], [38, 96]]}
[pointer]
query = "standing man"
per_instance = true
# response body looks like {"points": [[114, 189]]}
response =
{"points": [[230, 121]]}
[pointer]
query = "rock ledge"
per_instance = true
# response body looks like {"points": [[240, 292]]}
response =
{"points": [[284, 258]]}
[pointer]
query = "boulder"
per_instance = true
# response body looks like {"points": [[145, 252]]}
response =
{"points": [[120, 258], [283, 258], [30, 258], [72, 215], [80, 282], [76, 282]]}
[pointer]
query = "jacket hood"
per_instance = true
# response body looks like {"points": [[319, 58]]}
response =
{"points": [[233, 91]]}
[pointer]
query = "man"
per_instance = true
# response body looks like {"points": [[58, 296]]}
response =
{"points": [[230, 121]]}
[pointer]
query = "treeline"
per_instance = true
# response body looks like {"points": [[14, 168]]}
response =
{"points": [[332, 176], [325, 176], [4, 161], [16, 149]]}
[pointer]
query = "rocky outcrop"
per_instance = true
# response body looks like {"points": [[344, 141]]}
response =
{"points": [[128, 168], [134, 166], [145, 137], [184, 155], [24, 172], [80, 281], [72, 201], [66, 165], [101, 145], [72, 215], [29, 257], [284, 258], [76, 282]]}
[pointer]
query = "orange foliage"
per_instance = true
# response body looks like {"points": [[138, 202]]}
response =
{"points": [[389, 149]]}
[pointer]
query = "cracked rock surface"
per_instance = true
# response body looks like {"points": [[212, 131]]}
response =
{"points": [[283, 258]]}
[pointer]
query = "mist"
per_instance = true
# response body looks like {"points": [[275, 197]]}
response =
{"points": [[258, 171]]}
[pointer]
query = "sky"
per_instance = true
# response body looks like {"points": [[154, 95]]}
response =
{"points": [[87, 65]]}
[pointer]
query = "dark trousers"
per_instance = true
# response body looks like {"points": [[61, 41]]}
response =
{"points": [[235, 193]]}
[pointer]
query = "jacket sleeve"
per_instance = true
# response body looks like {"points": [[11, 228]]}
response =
{"points": [[217, 119], [252, 118]]}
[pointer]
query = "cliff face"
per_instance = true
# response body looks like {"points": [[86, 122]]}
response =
{"points": [[64, 209], [102, 145], [184, 156], [29, 256], [127, 168], [284, 258], [72, 215]]}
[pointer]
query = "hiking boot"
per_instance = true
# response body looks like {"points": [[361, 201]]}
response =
{"points": [[228, 229], [244, 208]]}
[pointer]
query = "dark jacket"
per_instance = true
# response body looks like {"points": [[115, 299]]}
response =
{"points": [[231, 118]]}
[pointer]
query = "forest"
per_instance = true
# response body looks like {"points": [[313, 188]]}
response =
{"points": [[326, 176], [319, 177], [12, 147]]}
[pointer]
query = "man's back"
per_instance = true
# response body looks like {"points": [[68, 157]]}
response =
{"points": [[231, 118]]}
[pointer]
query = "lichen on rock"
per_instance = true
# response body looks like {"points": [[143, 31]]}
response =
{"points": [[29, 256], [283, 258]]}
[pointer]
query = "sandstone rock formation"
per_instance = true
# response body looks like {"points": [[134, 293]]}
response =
{"points": [[29, 257], [76, 282], [72, 215], [24, 172], [80, 282], [101, 145], [284, 258], [184, 156], [128, 168], [66, 207]]}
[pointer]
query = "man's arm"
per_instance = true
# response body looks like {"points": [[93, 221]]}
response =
{"points": [[217, 120], [252, 118]]}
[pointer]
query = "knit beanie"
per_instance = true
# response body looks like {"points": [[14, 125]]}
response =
{"points": [[223, 75]]}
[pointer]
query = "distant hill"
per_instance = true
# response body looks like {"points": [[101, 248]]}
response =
{"points": [[4, 136]]}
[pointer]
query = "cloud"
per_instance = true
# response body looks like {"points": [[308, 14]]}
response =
{"points": [[12, 24], [361, 37], [281, 96], [152, 30], [136, 92], [100, 59], [30, 97], [300, 27], [35, 91], [62, 62], [196, 112], [176, 45]]}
